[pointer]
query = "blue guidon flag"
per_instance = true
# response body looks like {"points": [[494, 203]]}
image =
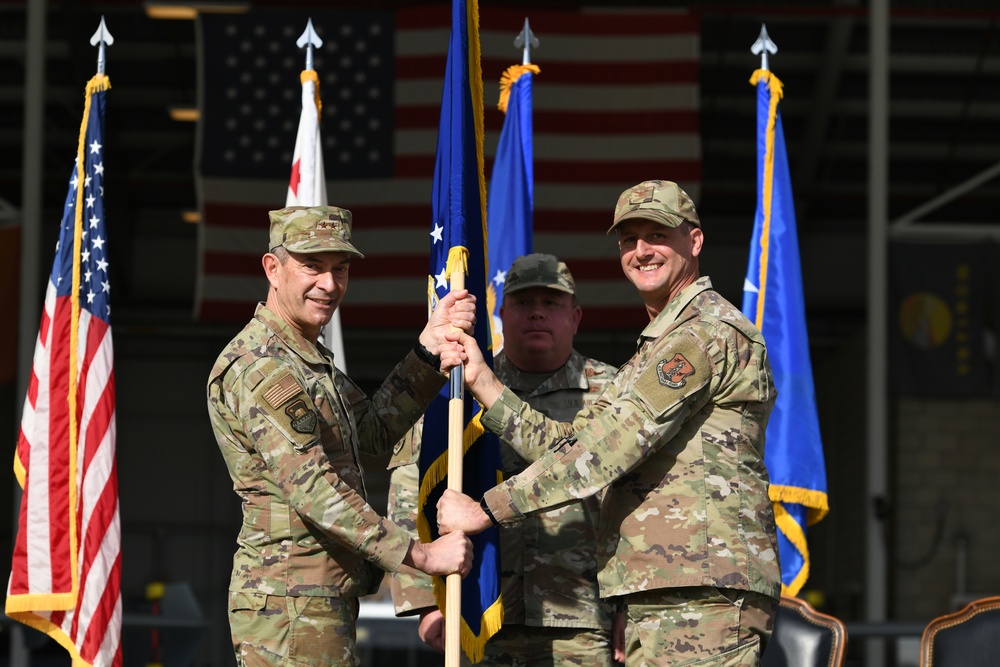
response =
{"points": [[512, 187], [458, 243], [773, 300]]}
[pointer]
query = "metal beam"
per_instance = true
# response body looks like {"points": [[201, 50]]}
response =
{"points": [[947, 196], [947, 231], [837, 41]]}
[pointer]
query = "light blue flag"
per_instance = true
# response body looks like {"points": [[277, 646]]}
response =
{"points": [[773, 300], [458, 242], [512, 187]]}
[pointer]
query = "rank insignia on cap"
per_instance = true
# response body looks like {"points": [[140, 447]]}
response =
{"points": [[642, 195], [673, 373], [303, 420]]}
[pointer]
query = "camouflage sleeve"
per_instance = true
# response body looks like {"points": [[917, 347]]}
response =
{"points": [[396, 404], [272, 409], [527, 430], [412, 590], [634, 426]]}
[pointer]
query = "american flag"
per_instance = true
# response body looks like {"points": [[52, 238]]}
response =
{"points": [[65, 574], [616, 104]]}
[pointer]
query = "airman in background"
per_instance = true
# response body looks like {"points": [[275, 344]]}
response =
{"points": [[553, 614]]}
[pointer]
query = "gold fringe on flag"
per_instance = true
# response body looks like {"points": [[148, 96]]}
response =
{"points": [[776, 89], [458, 260], [507, 79], [311, 75], [815, 501]]}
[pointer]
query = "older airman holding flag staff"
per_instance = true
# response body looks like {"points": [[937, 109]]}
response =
{"points": [[291, 426], [687, 539]]}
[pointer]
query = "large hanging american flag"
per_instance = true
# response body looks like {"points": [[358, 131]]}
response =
{"points": [[618, 104], [65, 574]]}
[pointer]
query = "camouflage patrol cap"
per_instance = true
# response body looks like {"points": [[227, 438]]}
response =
{"points": [[662, 201], [312, 229], [539, 270]]}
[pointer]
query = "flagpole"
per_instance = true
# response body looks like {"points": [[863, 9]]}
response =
{"points": [[458, 261], [456, 451], [876, 557], [526, 41], [309, 39], [763, 46], [510, 197], [307, 161], [774, 300]]}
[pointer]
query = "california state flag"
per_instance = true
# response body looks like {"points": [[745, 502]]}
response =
{"points": [[307, 186]]}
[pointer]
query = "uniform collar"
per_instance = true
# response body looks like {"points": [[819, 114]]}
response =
{"points": [[674, 308], [293, 340], [570, 376]]}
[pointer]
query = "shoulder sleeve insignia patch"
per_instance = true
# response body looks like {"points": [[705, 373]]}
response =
{"points": [[674, 372], [282, 390], [301, 417]]}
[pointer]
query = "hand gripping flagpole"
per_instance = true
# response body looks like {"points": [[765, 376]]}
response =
{"points": [[456, 451]]}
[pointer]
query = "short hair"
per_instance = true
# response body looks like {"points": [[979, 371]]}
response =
{"points": [[685, 225], [281, 253]]}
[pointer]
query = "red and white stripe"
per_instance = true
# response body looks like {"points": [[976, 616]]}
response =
{"points": [[616, 103], [66, 569]]}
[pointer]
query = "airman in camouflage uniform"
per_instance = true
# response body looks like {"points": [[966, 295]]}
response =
{"points": [[290, 427], [553, 614], [688, 543]]}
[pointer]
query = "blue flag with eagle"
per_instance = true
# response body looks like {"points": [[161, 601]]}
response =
{"points": [[458, 241], [512, 184], [773, 300]]}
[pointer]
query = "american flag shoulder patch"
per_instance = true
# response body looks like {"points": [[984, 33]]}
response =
{"points": [[284, 388]]}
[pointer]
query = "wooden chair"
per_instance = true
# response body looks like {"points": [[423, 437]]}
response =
{"points": [[804, 637], [966, 638]]}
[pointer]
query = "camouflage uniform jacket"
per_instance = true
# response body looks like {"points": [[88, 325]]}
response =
{"points": [[290, 427], [678, 437], [549, 562]]}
